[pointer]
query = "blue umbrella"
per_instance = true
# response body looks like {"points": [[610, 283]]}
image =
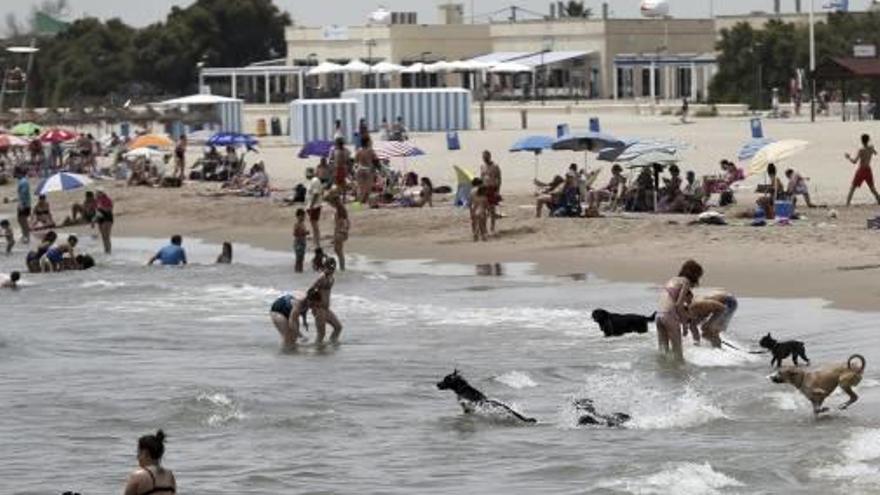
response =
{"points": [[535, 144], [232, 139], [752, 147], [62, 182], [319, 148]]}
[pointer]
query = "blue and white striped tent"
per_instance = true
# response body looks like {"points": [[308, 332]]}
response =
{"points": [[311, 120], [423, 110]]}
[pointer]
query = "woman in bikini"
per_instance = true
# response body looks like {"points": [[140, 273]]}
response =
{"points": [[340, 229], [42, 215], [104, 217], [286, 312], [673, 308], [151, 478], [324, 286]]}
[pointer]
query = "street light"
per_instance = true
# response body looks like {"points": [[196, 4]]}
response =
{"points": [[370, 44]]}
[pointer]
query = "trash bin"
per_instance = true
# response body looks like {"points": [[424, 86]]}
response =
{"points": [[261, 127], [276, 126]]}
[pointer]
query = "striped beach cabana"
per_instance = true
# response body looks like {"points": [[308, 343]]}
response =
{"points": [[311, 120], [423, 110]]}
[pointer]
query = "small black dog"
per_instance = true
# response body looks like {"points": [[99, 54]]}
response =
{"points": [[782, 350], [470, 398], [589, 416], [615, 325]]}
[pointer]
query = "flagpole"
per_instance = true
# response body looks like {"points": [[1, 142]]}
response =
{"points": [[812, 64]]}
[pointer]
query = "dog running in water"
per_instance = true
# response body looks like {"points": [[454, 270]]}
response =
{"points": [[818, 385], [590, 417], [470, 398], [616, 325]]}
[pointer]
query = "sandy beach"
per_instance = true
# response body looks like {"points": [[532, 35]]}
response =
{"points": [[817, 257]]}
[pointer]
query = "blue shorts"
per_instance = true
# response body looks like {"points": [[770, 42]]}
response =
{"points": [[55, 256]]}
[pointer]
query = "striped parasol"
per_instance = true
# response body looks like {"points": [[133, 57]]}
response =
{"points": [[387, 150], [63, 182], [57, 135]]}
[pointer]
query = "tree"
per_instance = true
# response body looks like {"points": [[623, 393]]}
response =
{"points": [[576, 8]]}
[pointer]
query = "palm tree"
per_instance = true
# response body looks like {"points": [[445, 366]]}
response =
{"points": [[576, 8]]}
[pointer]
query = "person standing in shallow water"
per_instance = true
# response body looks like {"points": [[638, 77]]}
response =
{"points": [[151, 478], [673, 308], [104, 218]]}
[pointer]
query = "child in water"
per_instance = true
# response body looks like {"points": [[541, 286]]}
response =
{"points": [[300, 240], [225, 257], [54, 260], [8, 235]]}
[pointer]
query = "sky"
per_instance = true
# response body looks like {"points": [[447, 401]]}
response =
{"points": [[354, 12]]}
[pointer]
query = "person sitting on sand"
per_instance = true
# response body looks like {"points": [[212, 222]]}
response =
{"points": [[150, 477], [286, 312], [479, 210], [616, 188], [61, 255], [42, 217], [324, 286], [10, 282], [225, 257], [172, 254], [640, 197], [797, 185], [670, 193], [257, 184], [8, 235], [34, 258], [83, 213], [772, 192], [673, 308]]}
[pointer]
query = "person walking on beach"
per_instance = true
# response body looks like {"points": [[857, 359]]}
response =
{"points": [[863, 172], [104, 218], [314, 197], [300, 240], [341, 225], [673, 308], [685, 108], [180, 159], [172, 254], [150, 477], [24, 205], [490, 173], [324, 287]]}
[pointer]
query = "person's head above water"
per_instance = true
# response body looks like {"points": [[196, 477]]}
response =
{"points": [[72, 240], [151, 448], [692, 271], [15, 276], [330, 265], [176, 240]]}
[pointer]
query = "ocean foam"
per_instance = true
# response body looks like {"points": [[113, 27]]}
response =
{"points": [[682, 410], [516, 379], [102, 284], [860, 460], [706, 356], [685, 478], [787, 401], [222, 408]]}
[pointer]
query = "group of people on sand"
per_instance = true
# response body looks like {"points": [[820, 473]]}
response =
{"points": [[680, 312]]}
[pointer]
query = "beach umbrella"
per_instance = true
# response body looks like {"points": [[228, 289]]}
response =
{"points": [[441, 66], [509, 68], [232, 139], [199, 137], [386, 68], [320, 148], [752, 147], [57, 135], [648, 159], [385, 150], [158, 141], [62, 182], [325, 68], [587, 141], [25, 129], [535, 144], [356, 66], [775, 152], [635, 148], [148, 153], [11, 141], [414, 68]]}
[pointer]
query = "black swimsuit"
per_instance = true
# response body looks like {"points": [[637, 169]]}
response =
{"points": [[158, 489]]}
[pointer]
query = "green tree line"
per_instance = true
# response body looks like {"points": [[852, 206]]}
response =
{"points": [[775, 52], [94, 61]]}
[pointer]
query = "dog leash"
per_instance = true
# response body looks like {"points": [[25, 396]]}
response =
{"points": [[728, 344]]}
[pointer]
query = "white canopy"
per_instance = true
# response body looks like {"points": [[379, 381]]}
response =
{"points": [[326, 68], [200, 99], [414, 68], [441, 66], [387, 68], [509, 68], [469, 65], [356, 66]]}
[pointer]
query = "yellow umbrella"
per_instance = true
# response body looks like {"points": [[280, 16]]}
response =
{"points": [[463, 176], [151, 141], [775, 152]]}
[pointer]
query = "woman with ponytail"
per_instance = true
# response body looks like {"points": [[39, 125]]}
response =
{"points": [[151, 478]]}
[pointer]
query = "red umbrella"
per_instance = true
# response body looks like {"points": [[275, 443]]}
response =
{"points": [[57, 136]]}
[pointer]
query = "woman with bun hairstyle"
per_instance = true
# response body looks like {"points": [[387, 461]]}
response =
{"points": [[151, 478]]}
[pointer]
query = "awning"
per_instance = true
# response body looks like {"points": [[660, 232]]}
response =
{"points": [[200, 99], [498, 57], [550, 58]]}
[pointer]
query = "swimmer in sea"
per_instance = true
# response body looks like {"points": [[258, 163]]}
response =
{"points": [[324, 286], [55, 258], [34, 257], [151, 478], [286, 312], [11, 282]]}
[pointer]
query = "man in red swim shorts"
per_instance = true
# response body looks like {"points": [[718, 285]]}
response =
{"points": [[863, 172]]}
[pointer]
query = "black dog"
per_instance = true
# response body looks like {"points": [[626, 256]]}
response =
{"points": [[615, 325], [589, 416], [782, 350], [470, 398]]}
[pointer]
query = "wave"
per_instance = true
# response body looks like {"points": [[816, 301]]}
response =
{"points": [[859, 462], [684, 478], [516, 379], [102, 284], [705, 356], [680, 410], [221, 409], [787, 401]]}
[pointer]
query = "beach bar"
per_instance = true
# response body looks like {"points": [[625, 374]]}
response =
{"points": [[316, 119], [423, 110]]}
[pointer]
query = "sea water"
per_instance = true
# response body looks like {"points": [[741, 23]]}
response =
{"points": [[89, 361]]}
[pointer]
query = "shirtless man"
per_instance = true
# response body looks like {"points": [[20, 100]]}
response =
{"points": [[324, 315], [863, 172], [490, 172]]}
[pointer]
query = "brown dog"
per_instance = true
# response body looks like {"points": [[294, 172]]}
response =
{"points": [[818, 385]]}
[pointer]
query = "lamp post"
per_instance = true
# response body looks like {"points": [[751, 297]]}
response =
{"points": [[424, 72], [547, 45], [370, 44], [812, 64]]}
